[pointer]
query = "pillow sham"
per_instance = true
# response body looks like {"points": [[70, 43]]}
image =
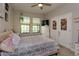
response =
{"points": [[15, 39], [7, 45], [4, 35]]}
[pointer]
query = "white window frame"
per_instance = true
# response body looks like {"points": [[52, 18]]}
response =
{"points": [[30, 26]]}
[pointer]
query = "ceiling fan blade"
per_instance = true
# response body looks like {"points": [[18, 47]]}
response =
{"points": [[34, 5], [47, 4]]}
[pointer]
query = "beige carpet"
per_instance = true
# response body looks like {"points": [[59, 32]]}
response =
{"points": [[65, 52]]}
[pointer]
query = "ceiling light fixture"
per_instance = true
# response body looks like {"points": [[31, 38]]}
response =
{"points": [[40, 5]]}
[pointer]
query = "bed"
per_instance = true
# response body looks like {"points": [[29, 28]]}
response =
{"points": [[34, 46]]}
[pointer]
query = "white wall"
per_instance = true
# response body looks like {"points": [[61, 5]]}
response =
{"points": [[11, 18], [9, 24], [2, 21], [67, 8], [16, 20], [4, 26], [71, 7]]}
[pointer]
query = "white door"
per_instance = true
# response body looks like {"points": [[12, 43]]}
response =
{"points": [[65, 36]]}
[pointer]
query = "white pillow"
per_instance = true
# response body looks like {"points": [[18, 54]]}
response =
{"points": [[15, 39]]}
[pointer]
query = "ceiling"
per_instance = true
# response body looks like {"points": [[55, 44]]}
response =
{"points": [[26, 7]]}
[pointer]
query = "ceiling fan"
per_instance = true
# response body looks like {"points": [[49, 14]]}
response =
{"points": [[41, 5]]}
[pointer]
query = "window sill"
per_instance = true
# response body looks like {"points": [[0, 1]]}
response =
{"points": [[29, 34]]}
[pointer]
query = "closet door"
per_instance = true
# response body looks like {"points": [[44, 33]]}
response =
{"points": [[65, 30]]}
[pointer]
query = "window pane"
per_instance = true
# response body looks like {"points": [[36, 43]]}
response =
{"points": [[24, 28], [25, 20], [36, 28], [36, 20]]}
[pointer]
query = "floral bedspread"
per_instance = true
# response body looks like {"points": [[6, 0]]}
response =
{"points": [[36, 50]]}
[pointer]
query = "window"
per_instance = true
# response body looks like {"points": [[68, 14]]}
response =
{"points": [[25, 24], [36, 25], [30, 25], [24, 28]]}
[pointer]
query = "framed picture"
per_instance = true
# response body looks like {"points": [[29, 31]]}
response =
{"points": [[6, 16], [63, 24], [6, 6], [54, 25]]}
